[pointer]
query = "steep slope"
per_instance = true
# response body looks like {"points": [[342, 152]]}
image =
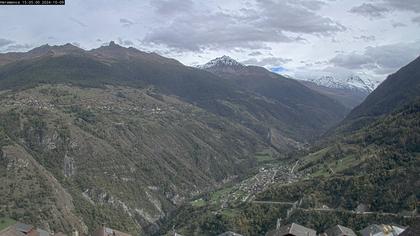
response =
{"points": [[376, 167], [397, 90], [372, 168], [278, 107], [373, 163], [299, 103], [126, 156], [32, 194]]}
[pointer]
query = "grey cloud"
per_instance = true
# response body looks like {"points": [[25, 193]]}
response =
{"points": [[171, 7], [378, 9], [253, 54], [312, 4], [5, 42], [405, 5], [380, 59], [392, 57], [398, 24], [218, 30], [78, 22], [126, 22], [294, 16], [125, 42], [320, 62], [365, 38], [416, 20], [351, 61], [19, 47], [268, 22], [370, 10], [268, 61]]}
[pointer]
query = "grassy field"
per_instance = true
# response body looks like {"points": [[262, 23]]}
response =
{"points": [[264, 156], [6, 222], [198, 203]]}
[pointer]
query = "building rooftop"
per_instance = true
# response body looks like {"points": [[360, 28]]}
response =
{"points": [[413, 230], [105, 231], [340, 230], [230, 233], [24, 228], [382, 230], [292, 229]]}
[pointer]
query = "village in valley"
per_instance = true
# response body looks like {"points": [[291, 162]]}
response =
{"points": [[245, 192], [20, 229]]}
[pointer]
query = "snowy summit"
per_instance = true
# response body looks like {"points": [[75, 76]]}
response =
{"points": [[348, 82], [221, 62]]}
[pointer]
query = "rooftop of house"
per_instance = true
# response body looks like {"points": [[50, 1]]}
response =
{"points": [[24, 228], [105, 231], [230, 233], [386, 230], [21, 229], [292, 229], [413, 230], [340, 230]]}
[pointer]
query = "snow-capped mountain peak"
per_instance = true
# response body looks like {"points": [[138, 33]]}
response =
{"points": [[365, 83], [349, 82], [221, 61]]}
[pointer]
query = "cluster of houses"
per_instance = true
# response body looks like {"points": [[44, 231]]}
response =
{"points": [[21, 229], [339, 230]]}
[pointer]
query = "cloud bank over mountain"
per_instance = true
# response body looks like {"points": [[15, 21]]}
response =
{"points": [[295, 35]]}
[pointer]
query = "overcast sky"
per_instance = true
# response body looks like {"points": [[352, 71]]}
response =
{"points": [[296, 37]]}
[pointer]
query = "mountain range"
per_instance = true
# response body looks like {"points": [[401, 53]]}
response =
{"points": [[349, 90], [141, 143], [352, 82], [118, 136], [293, 97]]}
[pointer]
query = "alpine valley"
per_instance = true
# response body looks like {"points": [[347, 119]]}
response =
{"points": [[118, 136], [149, 146], [363, 171]]}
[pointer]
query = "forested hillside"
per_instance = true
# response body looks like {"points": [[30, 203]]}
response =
{"points": [[371, 166]]}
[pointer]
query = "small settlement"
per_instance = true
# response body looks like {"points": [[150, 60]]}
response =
{"points": [[337, 230], [293, 229]]}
